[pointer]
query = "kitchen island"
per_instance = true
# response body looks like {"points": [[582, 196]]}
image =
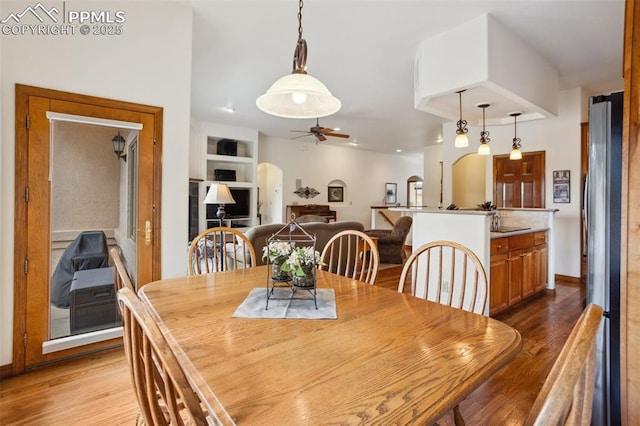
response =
{"points": [[473, 228]]}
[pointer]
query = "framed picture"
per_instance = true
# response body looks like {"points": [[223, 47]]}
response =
{"points": [[335, 194], [391, 190], [561, 186]]}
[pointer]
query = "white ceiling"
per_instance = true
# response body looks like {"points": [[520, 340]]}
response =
{"points": [[363, 51]]}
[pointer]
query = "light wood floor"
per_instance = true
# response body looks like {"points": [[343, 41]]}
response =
{"points": [[96, 389]]}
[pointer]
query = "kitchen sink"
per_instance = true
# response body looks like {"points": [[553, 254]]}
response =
{"points": [[504, 229]]}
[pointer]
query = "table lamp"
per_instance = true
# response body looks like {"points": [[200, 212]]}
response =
{"points": [[219, 194]]}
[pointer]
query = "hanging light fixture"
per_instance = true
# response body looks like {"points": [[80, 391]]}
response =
{"points": [[515, 148], [462, 141], [299, 95], [118, 146], [484, 149]]}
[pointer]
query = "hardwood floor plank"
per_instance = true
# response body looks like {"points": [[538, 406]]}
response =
{"points": [[96, 389]]}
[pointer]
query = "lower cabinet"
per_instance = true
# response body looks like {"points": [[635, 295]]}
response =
{"points": [[518, 269]]}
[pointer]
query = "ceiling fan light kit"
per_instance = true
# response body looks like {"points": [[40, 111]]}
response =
{"points": [[462, 141], [299, 95]]}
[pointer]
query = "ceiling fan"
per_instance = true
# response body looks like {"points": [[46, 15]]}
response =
{"points": [[321, 133]]}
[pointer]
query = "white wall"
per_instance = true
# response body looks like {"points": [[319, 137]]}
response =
{"points": [[150, 63], [559, 137], [364, 173]]}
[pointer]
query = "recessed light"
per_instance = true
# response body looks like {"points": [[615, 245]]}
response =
{"points": [[398, 150], [439, 140], [229, 109]]}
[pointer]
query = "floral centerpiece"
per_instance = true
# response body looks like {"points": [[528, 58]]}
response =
{"points": [[278, 252], [302, 262]]}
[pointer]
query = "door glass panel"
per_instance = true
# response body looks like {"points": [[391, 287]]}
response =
{"points": [[89, 215]]}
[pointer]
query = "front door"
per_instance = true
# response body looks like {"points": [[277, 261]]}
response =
{"points": [[33, 209]]}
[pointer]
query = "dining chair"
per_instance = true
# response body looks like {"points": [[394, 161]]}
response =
{"points": [[164, 393], [219, 249], [448, 273], [121, 276], [566, 396], [352, 254]]}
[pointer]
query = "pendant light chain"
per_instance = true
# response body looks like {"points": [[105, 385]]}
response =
{"points": [[300, 4]]}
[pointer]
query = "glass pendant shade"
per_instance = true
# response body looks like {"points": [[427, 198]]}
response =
{"points": [[515, 154], [462, 141], [484, 149], [298, 95]]}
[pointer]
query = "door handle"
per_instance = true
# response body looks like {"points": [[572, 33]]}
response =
{"points": [[147, 233]]}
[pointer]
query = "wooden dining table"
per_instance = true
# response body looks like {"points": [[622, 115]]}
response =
{"points": [[388, 358]]}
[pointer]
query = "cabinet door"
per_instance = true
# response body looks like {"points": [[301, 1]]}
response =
{"points": [[541, 261], [529, 273], [499, 291], [515, 276], [519, 183]]}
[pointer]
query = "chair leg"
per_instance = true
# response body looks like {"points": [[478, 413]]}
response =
{"points": [[457, 416]]}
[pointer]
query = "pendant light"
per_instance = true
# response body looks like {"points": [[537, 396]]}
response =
{"points": [[484, 149], [515, 148], [462, 141], [299, 95]]}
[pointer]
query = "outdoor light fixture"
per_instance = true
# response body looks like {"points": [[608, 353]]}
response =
{"points": [[462, 141], [484, 149], [118, 146], [219, 194], [515, 148], [299, 95]]}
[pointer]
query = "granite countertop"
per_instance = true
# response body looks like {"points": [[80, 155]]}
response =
{"points": [[517, 230]]}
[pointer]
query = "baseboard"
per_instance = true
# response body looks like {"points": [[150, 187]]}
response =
{"points": [[6, 370], [566, 279]]}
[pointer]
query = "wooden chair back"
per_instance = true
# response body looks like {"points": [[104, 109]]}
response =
{"points": [[352, 254], [448, 273], [206, 256], [121, 276], [566, 396], [164, 393]]}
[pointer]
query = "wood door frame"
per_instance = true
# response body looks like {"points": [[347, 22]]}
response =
{"points": [[23, 94]]}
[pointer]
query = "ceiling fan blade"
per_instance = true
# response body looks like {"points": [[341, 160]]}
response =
{"points": [[302, 136], [337, 135], [321, 137]]}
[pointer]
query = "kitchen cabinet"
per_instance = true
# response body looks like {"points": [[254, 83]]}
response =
{"points": [[499, 272], [518, 269]]}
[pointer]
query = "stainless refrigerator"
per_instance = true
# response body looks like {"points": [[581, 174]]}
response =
{"points": [[602, 217]]}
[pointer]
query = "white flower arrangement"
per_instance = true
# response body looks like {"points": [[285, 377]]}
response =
{"points": [[300, 257], [276, 250]]}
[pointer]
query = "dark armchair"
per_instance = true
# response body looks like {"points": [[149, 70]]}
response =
{"points": [[391, 241]]}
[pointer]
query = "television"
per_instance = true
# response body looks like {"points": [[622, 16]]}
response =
{"points": [[241, 209]]}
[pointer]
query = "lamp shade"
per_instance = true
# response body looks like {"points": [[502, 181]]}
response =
{"points": [[484, 149], [515, 154], [298, 95], [462, 141], [218, 194]]}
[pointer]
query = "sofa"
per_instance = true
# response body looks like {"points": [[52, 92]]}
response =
{"points": [[323, 232]]}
